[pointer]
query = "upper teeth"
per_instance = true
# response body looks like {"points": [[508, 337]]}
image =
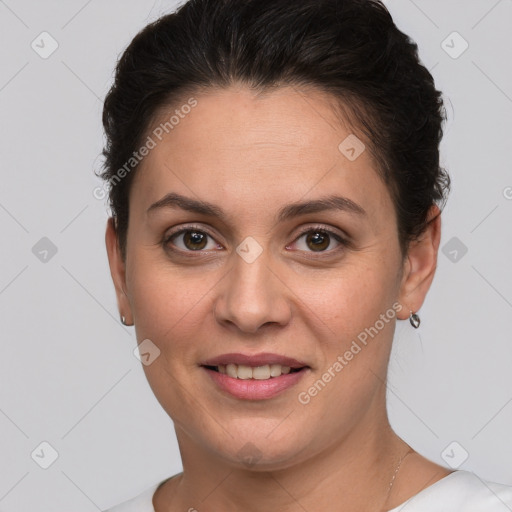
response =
{"points": [[242, 371]]}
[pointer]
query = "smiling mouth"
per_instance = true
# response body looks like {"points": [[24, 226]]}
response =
{"points": [[245, 372]]}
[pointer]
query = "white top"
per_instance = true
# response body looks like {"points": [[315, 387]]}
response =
{"points": [[460, 491]]}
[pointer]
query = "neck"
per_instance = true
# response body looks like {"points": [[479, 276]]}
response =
{"points": [[354, 472]]}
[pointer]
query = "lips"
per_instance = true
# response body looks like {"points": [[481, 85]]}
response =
{"points": [[254, 377]]}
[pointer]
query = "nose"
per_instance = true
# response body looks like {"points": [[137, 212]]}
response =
{"points": [[252, 295]]}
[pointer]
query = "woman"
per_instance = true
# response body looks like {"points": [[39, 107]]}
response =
{"points": [[276, 195]]}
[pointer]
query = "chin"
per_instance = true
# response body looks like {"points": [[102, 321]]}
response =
{"points": [[259, 451]]}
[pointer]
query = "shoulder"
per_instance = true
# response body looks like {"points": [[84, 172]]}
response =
{"points": [[141, 503], [460, 491], [479, 494]]}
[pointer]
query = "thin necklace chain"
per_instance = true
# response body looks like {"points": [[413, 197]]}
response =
{"points": [[409, 451]]}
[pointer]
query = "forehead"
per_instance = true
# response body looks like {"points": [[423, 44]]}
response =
{"points": [[250, 152]]}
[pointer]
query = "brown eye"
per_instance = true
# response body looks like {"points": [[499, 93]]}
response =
{"points": [[318, 240], [194, 240], [189, 240]]}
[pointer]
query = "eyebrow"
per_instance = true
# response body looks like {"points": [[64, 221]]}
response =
{"points": [[339, 203]]}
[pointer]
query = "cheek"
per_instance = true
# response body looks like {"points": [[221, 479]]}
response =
{"points": [[353, 297], [168, 303], [356, 308], [170, 308]]}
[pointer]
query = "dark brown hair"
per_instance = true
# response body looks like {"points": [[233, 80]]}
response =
{"points": [[349, 48]]}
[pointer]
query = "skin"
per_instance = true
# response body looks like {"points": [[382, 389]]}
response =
{"points": [[251, 155]]}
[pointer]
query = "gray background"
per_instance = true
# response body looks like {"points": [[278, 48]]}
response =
{"points": [[68, 373]]}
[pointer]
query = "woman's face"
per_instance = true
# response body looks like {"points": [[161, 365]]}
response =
{"points": [[244, 279]]}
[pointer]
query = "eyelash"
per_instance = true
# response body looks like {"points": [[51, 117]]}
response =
{"points": [[310, 229]]}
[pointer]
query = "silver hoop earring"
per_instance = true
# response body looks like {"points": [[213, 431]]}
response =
{"points": [[414, 319], [123, 320]]}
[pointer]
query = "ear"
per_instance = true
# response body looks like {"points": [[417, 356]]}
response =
{"points": [[117, 271], [420, 265]]}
